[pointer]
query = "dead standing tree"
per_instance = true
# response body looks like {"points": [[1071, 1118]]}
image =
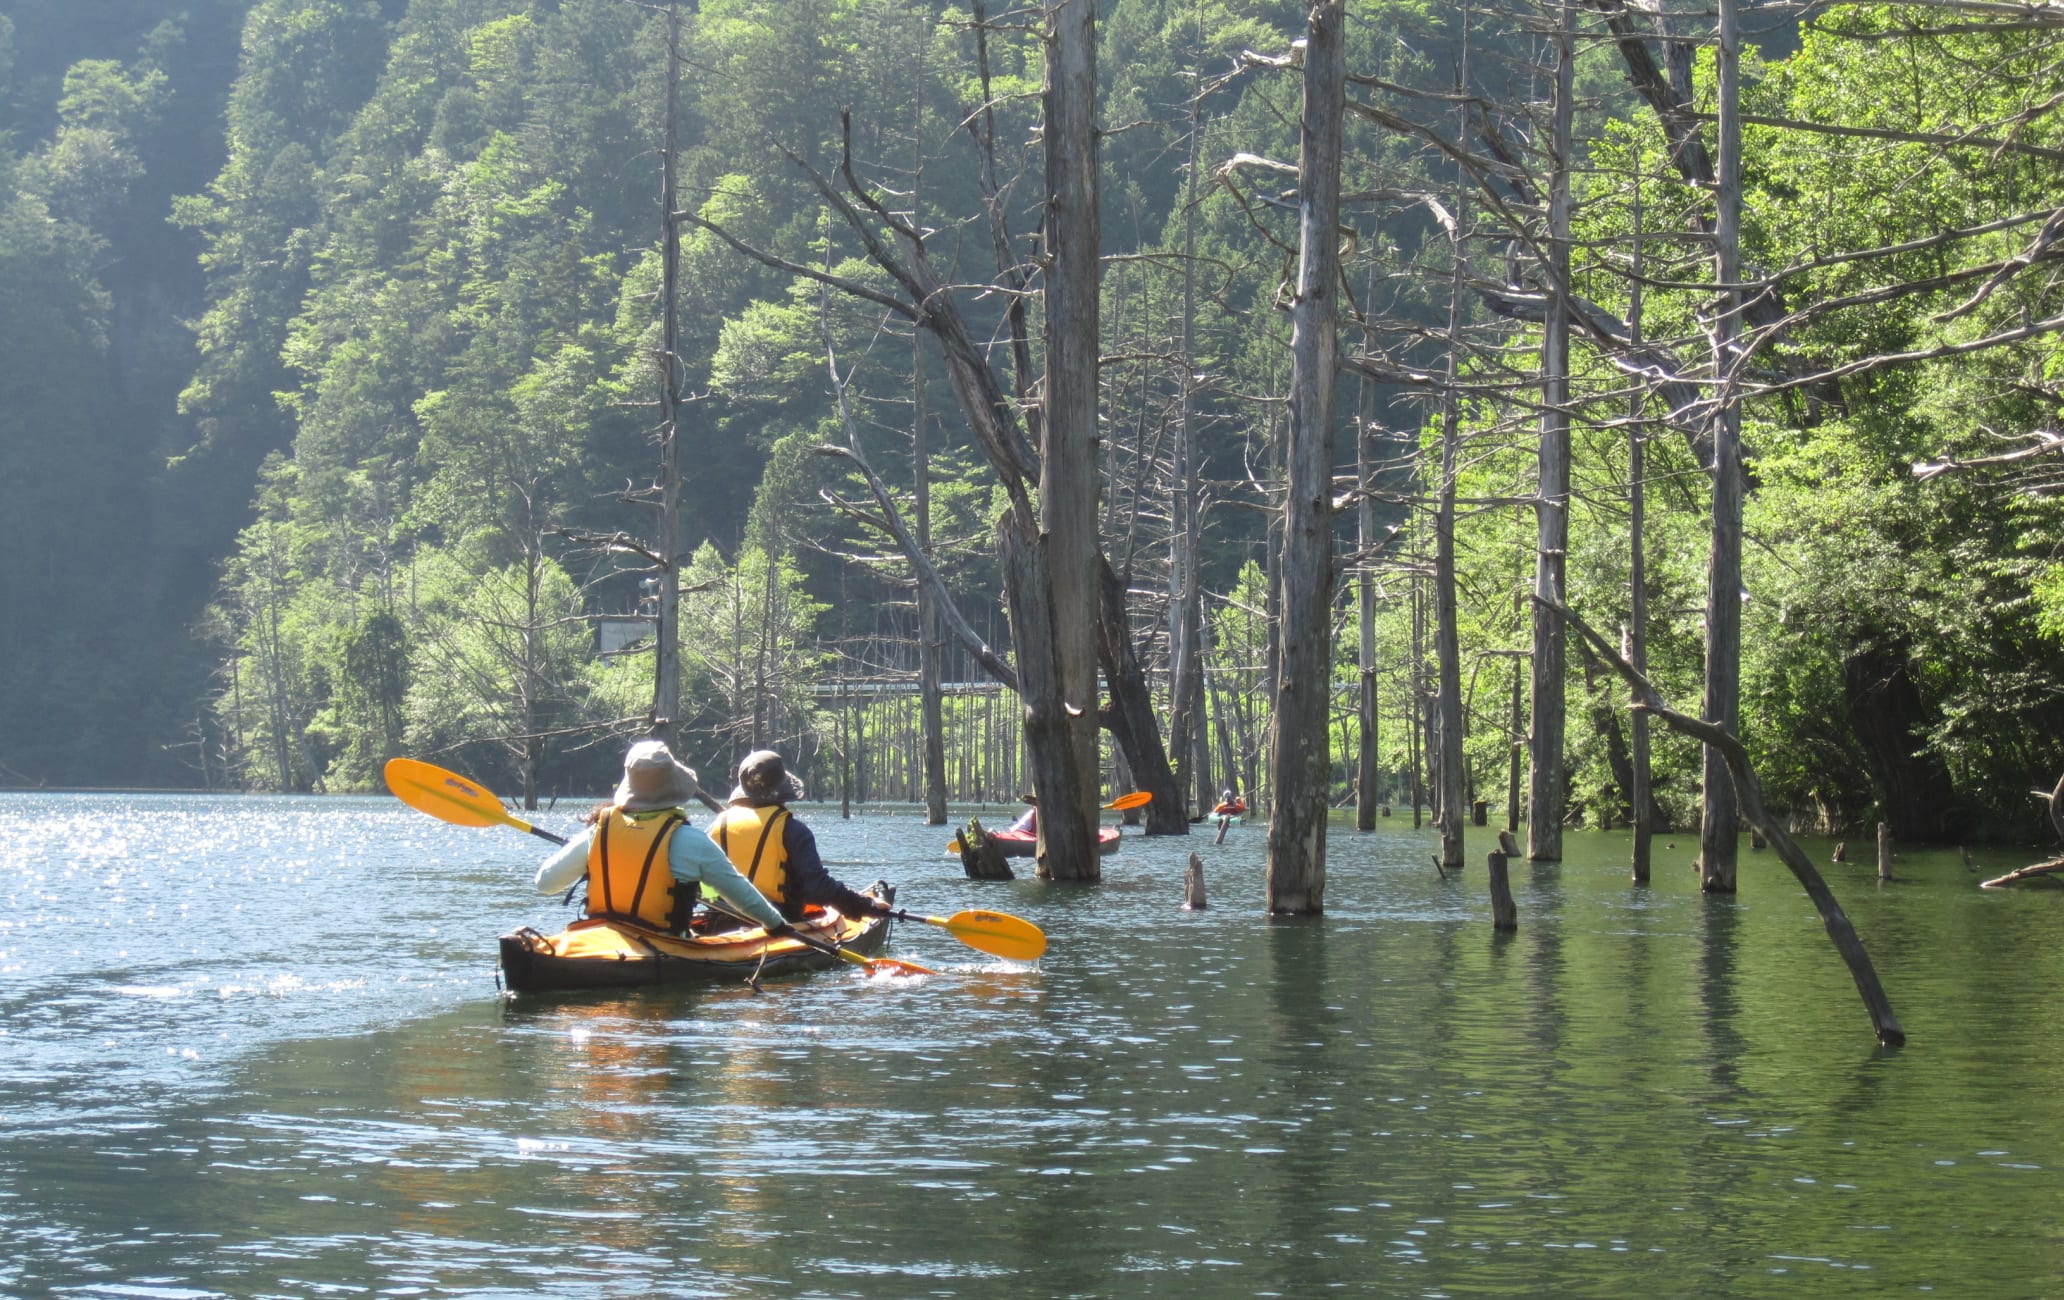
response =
{"points": [[1749, 792], [1300, 760], [1548, 783], [1061, 710], [1051, 573]]}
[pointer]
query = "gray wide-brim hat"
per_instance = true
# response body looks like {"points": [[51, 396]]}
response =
{"points": [[653, 778], [763, 778]]}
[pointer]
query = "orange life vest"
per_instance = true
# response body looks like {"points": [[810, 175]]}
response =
{"points": [[751, 838], [628, 873]]}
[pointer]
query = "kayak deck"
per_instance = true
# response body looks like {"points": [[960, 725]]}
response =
{"points": [[1020, 844], [599, 952]]}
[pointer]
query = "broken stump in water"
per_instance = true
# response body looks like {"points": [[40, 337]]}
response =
{"points": [[1193, 885], [1884, 851], [980, 856], [1504, 912]]}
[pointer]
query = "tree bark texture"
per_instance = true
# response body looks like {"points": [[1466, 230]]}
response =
{"points": [[1068, 549], [666, 641], [1052, 758], [1447, 642], [1368, 768], [1634, 638], [1299, 758], [1186, 717], [1717, 835], [1131, 715], [1547, 783]]}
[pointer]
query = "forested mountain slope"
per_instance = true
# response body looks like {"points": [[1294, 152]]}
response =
{"points": [[327, 358]]}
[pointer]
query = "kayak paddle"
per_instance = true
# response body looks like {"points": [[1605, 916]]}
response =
{"points": [[450, 797], [996, 933], [874, 965]]}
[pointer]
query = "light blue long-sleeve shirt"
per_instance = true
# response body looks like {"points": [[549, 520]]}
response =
{"points": [[693, 857]]}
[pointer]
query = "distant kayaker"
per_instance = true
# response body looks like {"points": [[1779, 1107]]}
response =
{"points": [[620, 853], [1028, 820], [1229, 805], [770, 846]]}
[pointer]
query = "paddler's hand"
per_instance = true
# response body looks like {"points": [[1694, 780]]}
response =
{"points": [[780, 931]]}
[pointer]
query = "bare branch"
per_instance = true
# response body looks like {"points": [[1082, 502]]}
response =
{"points": [[1749, 794]]}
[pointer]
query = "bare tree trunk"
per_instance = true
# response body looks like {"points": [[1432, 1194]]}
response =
{"points": [[1131, 715], [1546, 786], [1417, 689], [666, 659], [1723, 573], [1515, 742], [929, 632], [532, 752], [1635, 639], [1066, 552], [1185, 591], [1368, 764], [1447, 644], [1299, 762]]}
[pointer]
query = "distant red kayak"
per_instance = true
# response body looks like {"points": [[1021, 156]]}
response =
{"points": [[1019, 844]]}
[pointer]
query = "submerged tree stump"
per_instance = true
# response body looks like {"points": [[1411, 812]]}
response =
{"points": [[1193, 885], [1504, 912], [980, 856], [1884, 851]]}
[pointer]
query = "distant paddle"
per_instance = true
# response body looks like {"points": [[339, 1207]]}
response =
{"points": [[452, 798], [1137, 799]]}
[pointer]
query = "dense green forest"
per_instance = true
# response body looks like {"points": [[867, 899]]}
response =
{"points": [[331, 399]]}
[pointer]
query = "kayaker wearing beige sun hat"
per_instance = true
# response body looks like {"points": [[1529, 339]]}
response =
{"points": [[637, 867]]}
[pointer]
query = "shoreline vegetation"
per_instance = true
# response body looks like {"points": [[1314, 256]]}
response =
{"points": [[1663, 322]]}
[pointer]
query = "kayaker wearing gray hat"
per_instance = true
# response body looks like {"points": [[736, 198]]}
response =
{"points": [[772, 848], [628, 876]]}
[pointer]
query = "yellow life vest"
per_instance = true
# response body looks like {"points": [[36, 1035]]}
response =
{"points": [[751, 838], [628, 873]]}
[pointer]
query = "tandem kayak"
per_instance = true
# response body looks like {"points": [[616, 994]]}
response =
{"points": [[1020, 844], [608, 953]]}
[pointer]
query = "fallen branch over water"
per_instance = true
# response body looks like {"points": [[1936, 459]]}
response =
{"points": [[2050, 868], [1748, 793]]}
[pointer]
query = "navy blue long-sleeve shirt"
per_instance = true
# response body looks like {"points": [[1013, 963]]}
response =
{"points": [[809, 881]]}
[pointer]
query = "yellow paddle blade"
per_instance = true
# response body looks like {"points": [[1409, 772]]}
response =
{"points": [[996, 933], [1137, 799], [449, 797], [444, 795]]}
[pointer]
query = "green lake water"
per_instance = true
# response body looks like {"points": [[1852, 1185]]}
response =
{"points": [[254, 1047]]}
